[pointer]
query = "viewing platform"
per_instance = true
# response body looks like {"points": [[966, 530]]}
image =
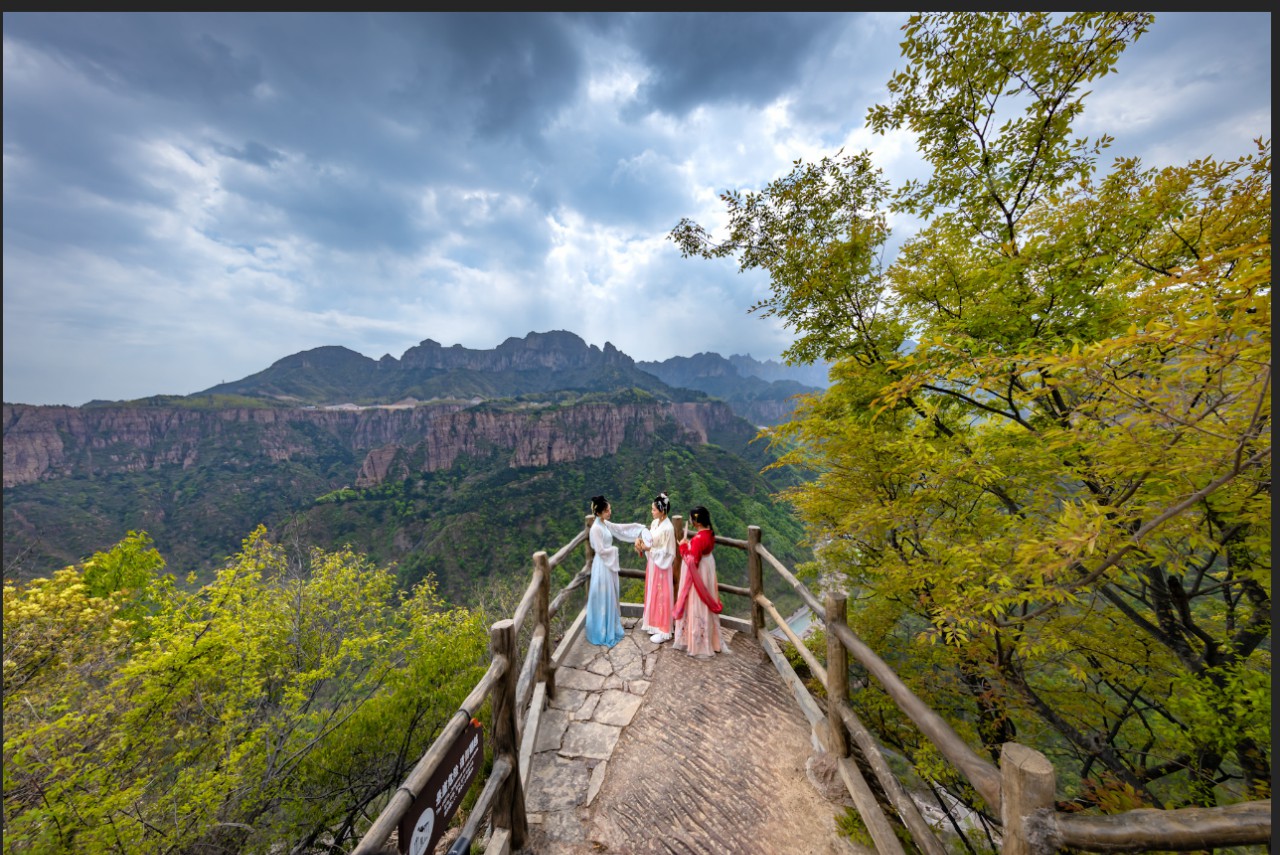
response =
{"points": [[647, 750], [640, 748]]}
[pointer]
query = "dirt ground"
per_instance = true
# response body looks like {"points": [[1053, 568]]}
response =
{"points": [[712, 762]]}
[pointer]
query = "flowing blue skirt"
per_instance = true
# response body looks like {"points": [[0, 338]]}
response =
{"points": [[604, 617]]}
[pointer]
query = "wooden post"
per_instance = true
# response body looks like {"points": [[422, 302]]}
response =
{"points": [[546, 672], [590, 551], [508, 806], [677, 522], [1027, 785], [755, 578], [837, 678]]}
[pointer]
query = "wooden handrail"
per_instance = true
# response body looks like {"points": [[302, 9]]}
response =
{"points": [[404, 797], [805, 653], [984, 776], [508, 805], [497, 777], [563, 551], [1244, 824], [528, 673], [731, 541], [576, 582], [1184, 829], [526, 602], [809, 599]]}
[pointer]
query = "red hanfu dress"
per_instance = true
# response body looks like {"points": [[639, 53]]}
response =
{"points": [[658, 594], [697, 609]]}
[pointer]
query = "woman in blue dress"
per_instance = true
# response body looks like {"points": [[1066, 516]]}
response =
{"points": [[604, 616]]}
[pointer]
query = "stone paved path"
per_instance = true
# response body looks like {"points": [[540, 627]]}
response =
{"points": [[646, 750]]}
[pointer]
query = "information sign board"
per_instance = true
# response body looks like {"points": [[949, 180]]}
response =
{"points": [[428, 817]]}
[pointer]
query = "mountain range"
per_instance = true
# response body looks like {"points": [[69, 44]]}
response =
{"points": [[538, 364], [397, 457]]}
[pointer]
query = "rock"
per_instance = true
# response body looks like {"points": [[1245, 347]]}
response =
{"points": [[589, 739], [575, 678], [824, 773], [47, 442], [617, 708], [557, 786]]}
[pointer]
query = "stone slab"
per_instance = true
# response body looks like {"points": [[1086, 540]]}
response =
{"points": [[587, 710], [574, 678], [551, 731], [589, 739], [597, 778], [567, 699], [580, 654], [617, 708], [557, 785]]}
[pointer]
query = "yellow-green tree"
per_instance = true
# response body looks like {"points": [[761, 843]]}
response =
{"points": [[275, 705], [1043, 464]]}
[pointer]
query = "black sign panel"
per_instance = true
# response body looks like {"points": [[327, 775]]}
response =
{"points": [[428, 817]]}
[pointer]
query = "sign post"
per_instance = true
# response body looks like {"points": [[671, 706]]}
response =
{"points": [[428, 817]]}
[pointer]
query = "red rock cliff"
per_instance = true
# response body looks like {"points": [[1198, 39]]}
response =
{"points": [[42, 443]]}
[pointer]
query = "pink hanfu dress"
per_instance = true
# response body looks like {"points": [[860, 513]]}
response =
{"points": [[697, 620], [658, 595]]}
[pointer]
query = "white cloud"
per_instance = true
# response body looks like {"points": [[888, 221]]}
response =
{"points": [[167, 227]]}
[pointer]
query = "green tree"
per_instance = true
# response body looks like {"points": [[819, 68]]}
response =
{"points": [[1054, 503], [276, 704]]}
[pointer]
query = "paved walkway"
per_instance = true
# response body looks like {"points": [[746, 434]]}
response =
{"points": [[647, 750]]}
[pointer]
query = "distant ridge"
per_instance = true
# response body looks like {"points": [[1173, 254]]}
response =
{"points": [[553, 365], [539, 363], [809, 375], [762, 392]]}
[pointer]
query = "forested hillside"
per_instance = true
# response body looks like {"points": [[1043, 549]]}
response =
{"points": [[398, 483]]}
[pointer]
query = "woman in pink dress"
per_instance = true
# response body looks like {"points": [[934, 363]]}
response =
{"points": [[659, 548], [698, 606]]}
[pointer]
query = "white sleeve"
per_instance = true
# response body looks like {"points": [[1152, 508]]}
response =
{"points": [[626, 531], [663, 553], [597, 538]]}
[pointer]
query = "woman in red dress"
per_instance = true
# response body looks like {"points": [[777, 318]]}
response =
{"points": [[698, 606]]}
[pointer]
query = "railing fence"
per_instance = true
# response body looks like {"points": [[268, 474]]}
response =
{"points": [[1022, 788]]}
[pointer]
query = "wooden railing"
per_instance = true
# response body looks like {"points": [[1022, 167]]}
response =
{"points": [[1021, 789], [518, 699]]}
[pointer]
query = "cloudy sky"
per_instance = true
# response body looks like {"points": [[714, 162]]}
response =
{"points": [[188, 198]]}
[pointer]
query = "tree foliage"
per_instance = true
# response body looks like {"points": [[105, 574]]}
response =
{"points": [[1043, 465], [279, 703]]}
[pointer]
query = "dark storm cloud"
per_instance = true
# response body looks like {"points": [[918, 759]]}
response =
{"points": [[188, 197], [368, 107], [701, 57], [159, 53], [507, 73]]}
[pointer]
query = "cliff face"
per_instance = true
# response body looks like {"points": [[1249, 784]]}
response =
{"points": [[47, 443]]}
